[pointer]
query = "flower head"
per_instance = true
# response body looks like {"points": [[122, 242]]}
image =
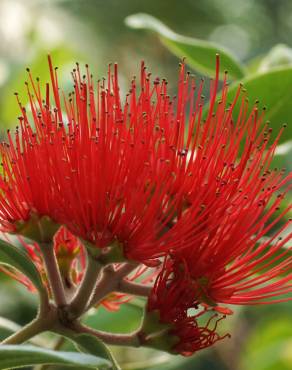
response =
{"points": [[152, 179], [150, 176], [98, 171], [174, 305]]}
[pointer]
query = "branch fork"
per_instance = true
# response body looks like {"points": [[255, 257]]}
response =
{"points": [[63, 313]]}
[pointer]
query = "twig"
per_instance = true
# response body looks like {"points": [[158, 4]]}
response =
{"points": [[109, 282], [134, 288], [37, 326], [86, 288], [131, 340], [53, 274]]}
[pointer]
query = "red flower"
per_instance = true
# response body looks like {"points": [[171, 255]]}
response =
{"points": [[94, 170], [177, 306], [150, 175], [159, 178]]}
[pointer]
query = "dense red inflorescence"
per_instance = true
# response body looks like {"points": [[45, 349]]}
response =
{"points": [[100, 171], [129, 172], [162, 178]]}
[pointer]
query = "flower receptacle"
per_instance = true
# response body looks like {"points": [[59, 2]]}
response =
{"points": [[112, 254], [157, 334], [38, 228]]}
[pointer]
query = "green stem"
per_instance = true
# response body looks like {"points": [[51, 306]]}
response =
{"points": [[53, 274], [109, 282], [134, 288], [131, 340], [44, 303], [86, 288], [37, 326]]}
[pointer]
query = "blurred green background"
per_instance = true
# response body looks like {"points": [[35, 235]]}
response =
{"points": [[94, 31]]}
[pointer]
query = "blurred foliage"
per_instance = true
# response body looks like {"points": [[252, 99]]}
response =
{"points": [[258, 33], [269, 342], [21, 355], [199, 54], [270, 81], [125, 320]]}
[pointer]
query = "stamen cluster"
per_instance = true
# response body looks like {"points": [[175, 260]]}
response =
{"points": [[162, 180]]}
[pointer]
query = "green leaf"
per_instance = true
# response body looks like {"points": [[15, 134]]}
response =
{"points": [[62, 57], [19, 356], [200, 54], [269, 346], [7, 327], [283, 155], [273, 89], [278, 254], [254, 64], [92, 345], [17, 258], [125, 320]]}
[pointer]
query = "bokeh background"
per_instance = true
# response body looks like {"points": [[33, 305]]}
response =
{"points": [[94, 31]]}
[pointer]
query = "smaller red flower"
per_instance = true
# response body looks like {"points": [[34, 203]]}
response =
{"points": [[192, 324]]}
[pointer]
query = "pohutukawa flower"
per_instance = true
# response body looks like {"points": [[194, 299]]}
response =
{"points": [[99, 171], [152, 175], [182, 325], [149, 179]]}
